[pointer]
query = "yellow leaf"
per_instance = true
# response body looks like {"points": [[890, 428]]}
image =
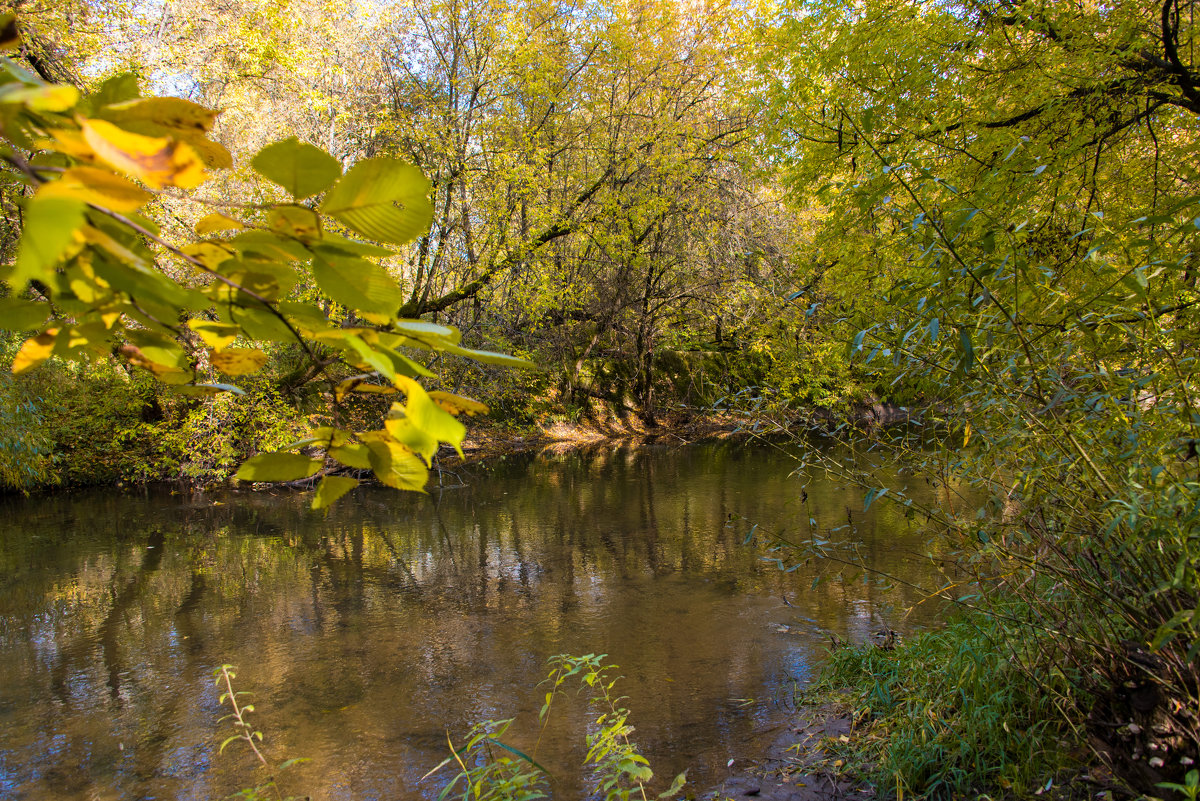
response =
{"points": [[214, 222], [295, 221], [359, 383], [330, 489], [397, 466], [92, 335], [97, 237], [352, 455], [69, 143], [217, 336], [168, 112], [174, 117], [213, 154], [87, 286], [411, 437], [155, 161], [427, 417], [238, 361], [168, 374], [97, 186], [48, 97], [456, 404], [35, 351], [211, 254]]}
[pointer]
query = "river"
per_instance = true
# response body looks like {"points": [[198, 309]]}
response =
{"points": [[370, 633]]}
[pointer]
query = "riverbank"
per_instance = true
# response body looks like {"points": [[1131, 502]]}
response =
{"points": [[487, 439], [794, 761]]}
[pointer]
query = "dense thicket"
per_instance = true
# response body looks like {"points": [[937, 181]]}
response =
{"points": [[1010, 220]]}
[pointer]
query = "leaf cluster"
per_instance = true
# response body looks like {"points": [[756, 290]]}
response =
{"points": [[94, 276]]}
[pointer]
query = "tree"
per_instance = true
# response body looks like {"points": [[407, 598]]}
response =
{"points": [[94, 277], [583, 161], [1010, 204]]}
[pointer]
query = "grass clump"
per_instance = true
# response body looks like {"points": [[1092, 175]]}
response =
{"points": [[953, 713]]}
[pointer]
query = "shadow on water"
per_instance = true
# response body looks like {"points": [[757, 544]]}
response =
{"points": [[370, 632]]}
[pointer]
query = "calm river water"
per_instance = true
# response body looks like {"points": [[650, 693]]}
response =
{"points": [[369, 633]]}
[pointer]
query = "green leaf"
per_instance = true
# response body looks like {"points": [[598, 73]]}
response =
{"points": [[675, 787], [519, 754], [430, 418], [404, 365], [49, 231], [489, 357], [873, 495], [22, 315], [410, 436], [269, 246], [297, 222], [258, 323], [968, 360], [420, 329], [116, 89], [352, 455], [370, 356], [278, 467], [146, 284], [397, 466], [305, 316], [266, 278], [331, 488], [358, 284], [1138, 283], [159, 349], [383, 199], [302, 169], [341, 246]]}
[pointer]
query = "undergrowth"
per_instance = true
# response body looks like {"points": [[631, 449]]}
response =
{"points": [[953, 713]]}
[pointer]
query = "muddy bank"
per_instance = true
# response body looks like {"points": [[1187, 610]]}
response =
{"points": [[487, 438], [794, 763]]}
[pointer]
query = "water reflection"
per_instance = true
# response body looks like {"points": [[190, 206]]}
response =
{"points": [[369, 633]]}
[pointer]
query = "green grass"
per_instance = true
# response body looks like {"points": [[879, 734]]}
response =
{"points": [[951, 714]]}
